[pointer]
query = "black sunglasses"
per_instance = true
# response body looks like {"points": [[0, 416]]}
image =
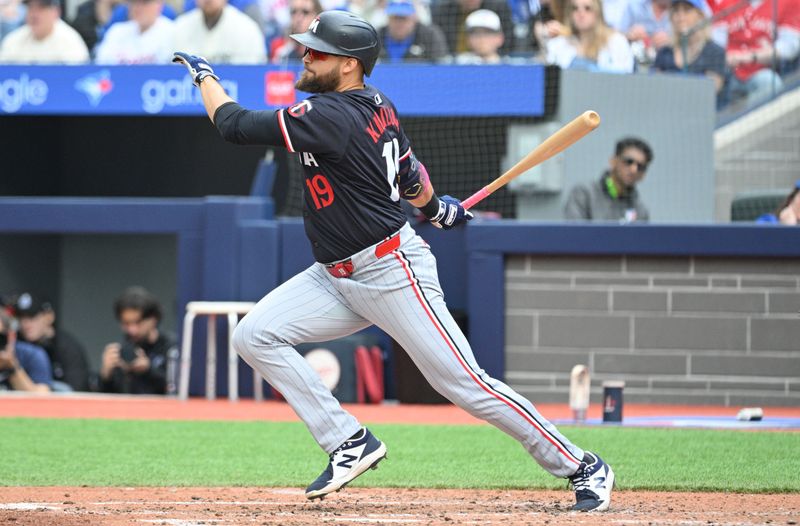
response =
{"points": [[642, 167]]}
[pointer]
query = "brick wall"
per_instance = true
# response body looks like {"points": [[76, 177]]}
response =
{"points": [[685, 330]]}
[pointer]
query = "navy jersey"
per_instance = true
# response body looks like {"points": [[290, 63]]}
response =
{"points": [[350, 145]]}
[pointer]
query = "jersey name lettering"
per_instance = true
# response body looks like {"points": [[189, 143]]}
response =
{"points": [[381, 119], [309, 160]]}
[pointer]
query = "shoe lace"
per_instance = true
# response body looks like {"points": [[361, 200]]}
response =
{"points": [[580, 480], [344, 446]]}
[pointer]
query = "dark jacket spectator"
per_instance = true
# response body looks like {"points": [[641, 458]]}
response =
{"points": [[92, 18], [138, 365], [405, 39], [451, 15], [703, 55]]}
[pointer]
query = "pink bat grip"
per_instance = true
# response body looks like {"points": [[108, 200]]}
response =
{"points": [[475, 198]]}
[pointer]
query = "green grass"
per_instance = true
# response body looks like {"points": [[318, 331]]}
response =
{"points": [[158, 453]]}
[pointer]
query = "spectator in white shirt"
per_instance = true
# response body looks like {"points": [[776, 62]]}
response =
{"points": [[147, 38], [44, 39], [592, 45], [220, 33], [484, 38]]}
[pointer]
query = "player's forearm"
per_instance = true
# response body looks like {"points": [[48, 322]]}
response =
{"points": [[214, 96], [418, 183], [423, 198]]}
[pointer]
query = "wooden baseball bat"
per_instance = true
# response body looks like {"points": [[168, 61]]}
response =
{"points": [[556, 143]]}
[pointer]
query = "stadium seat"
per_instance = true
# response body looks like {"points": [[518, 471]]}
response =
{"points": [[264, 178], [748, 206]]}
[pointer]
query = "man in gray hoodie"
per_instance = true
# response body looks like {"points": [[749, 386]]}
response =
{"points": [[614, 196]]}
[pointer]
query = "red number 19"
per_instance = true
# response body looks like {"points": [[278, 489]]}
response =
{"points": [[321, 191]]}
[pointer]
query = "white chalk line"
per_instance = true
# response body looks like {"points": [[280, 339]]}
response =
{"points": [[29, 506], [721, 518]]}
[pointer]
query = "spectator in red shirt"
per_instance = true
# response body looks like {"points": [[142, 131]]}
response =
{"points": [[747, 36]]}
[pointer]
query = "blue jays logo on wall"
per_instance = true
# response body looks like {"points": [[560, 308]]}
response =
{"points": [[95, 86]]}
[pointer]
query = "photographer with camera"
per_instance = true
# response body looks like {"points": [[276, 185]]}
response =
{"points": [[23, 366], [137, 365]]}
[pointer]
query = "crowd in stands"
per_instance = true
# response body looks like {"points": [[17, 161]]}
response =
{"points": [[742, 45], [38, 355]]}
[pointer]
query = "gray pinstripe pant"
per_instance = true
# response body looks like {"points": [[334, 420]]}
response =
{"points": [[400, 293]]}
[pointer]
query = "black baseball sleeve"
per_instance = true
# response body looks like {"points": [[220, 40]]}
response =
{"points": [[242, 126]]}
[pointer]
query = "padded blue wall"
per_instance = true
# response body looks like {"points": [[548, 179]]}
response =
{"points": [[228, 250]]}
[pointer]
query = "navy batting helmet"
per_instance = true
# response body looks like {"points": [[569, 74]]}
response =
{"points": [[343, 33]]}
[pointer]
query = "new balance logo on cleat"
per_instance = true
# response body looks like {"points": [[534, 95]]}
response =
{"points": [[593, 483], [348, 461], [358, 454]]}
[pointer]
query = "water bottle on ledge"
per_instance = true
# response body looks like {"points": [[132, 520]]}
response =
{"points": [[173, 356]]}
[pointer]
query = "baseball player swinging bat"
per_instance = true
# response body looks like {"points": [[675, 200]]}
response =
{"points": [[357, 164], [556, 143]]}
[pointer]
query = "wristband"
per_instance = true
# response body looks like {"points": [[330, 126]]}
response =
{"points": [[203, 75], [431, 209]]}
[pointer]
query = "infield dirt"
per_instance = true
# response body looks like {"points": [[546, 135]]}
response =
{"points": [[51, 506], [115, 506]]}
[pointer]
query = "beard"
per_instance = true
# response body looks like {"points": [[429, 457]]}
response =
{"points": [[318, 83]]}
